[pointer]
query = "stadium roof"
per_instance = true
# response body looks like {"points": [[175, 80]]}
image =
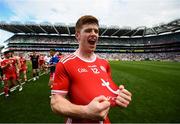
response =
{"points": [[105, 31]]}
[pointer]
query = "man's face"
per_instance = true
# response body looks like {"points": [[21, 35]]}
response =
{"points": [[88, 37], [52, 53], [7, 55]]}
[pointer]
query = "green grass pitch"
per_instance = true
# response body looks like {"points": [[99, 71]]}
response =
{"points": [[154, 85]]}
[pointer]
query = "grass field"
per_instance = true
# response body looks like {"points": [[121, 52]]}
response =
{"points": [[154, 85]]}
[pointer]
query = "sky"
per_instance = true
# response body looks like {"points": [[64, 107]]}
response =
{"points": [[122, 13]]}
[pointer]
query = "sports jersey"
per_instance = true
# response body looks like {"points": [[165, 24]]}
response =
{"points": [[53, 60], [1, 71], [10, 70], [35, 61], [23, 64], [41, 60], [83, 81]]}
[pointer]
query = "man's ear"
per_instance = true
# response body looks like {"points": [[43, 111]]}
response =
{"points": [[77, 36]]}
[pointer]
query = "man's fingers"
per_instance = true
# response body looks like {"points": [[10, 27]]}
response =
{"points": [[121, 103], [121, 87], [123, 95], [103, 102], [100, 98], [126, 92], [122, 100], [104, 105]]}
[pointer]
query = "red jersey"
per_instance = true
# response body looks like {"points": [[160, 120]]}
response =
{"points": [[11, 68], [23, 63], [41, 60], [83, 81]]}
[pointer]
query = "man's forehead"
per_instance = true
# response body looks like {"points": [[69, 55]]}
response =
{"points": [[90, 26]]}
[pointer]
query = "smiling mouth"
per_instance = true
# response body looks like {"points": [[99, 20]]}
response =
{"points": [[91, 42]]}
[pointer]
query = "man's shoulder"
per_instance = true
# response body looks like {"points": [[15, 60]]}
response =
{"points": [[101, 59], [67, 58]]}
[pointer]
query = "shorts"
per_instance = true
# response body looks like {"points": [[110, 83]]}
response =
{"points": [[1, 72], [34, 66]]}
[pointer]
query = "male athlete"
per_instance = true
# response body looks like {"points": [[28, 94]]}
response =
{"points": [[17, 59], [52, 65], [41, 62], [23, 68], [9, 66], [86, 80], [35, 65]]}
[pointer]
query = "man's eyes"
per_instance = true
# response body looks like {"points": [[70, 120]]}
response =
{"points": [[90, 30]]}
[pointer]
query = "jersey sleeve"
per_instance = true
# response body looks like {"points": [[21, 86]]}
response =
{"points": [[61, 80], [3, 63], [108, 69]]}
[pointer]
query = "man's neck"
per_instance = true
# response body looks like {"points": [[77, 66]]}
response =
{"points": [[85, 55]]}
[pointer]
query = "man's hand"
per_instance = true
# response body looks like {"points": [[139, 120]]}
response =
{"points": [[98, 108], [124, 97]]}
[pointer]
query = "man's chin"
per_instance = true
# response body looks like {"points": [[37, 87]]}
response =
{"points": [[91, 50]]}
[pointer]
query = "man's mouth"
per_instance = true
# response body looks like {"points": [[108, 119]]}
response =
{"points": [[92, 40]]}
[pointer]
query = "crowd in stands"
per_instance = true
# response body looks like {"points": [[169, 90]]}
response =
{"points": [[161, 47], [171, 56], [42, 39]]}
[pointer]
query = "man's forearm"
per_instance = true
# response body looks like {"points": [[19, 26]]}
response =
{"points": [[62, 106]]}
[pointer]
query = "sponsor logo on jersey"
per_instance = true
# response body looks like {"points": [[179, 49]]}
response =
{"points": [[82, 70]]}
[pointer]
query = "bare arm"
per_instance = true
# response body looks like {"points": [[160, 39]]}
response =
{"points": [[97, 109]]}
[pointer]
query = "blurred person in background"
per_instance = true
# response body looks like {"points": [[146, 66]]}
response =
{"points": [[52, 64], [9, 66], [35, 65], [23, 68]]}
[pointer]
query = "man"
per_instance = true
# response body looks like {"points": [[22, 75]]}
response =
{"points": [[9, 66], [35, 65], [17, 59], [41, 62], [23, 68], [86, 80], [52, 65], [1, 73]]}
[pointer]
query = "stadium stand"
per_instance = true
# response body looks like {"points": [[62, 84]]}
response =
{"points": [[161, 42]]}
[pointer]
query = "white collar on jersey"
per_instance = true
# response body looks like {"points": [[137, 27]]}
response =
{"points": [[84, 59]]}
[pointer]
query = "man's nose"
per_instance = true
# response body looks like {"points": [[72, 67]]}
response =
{"points": [[93, 32]]}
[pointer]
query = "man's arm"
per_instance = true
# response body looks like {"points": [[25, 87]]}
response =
{"points": [[97, 109]]}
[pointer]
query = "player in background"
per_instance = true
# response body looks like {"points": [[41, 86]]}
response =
{"points": [[35, 65], [23, 68], [46, 60], [86, 80], [41, 62], [52, 65], [17, 58], [1, 73], [9, 66], [59, 55]]}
